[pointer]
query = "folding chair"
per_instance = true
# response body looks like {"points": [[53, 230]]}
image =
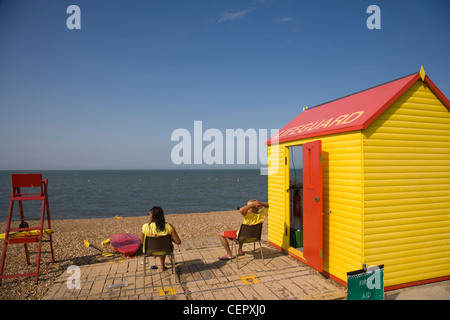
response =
{"points": [[25, 234], [248, 234], [158, 247]]}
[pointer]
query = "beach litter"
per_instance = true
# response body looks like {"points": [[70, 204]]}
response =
{"points": [[117, 285], [150, 267], [104, 253]]}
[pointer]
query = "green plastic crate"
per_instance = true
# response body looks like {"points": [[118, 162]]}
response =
{"points": [[296, 238]]}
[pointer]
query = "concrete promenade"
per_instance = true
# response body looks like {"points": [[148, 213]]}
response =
{"points": [[199, 275]]}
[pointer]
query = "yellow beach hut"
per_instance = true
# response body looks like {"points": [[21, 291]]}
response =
{"points": [[374, 187]]}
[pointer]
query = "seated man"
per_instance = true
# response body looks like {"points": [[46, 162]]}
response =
{"points": [[254, 212]]}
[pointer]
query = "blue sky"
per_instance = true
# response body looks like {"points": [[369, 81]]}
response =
{"points": [[109, 96]]}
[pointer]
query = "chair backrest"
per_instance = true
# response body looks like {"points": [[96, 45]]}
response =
{"points": [[250, 233], [26, 180], [159, 246]]}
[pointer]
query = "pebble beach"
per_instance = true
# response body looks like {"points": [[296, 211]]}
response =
{"points": [[70, 249]]}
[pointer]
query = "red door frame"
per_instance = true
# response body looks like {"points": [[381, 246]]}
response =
{"points": [[313, 204]]}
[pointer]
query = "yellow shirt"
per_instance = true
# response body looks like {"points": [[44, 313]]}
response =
{"points": [[150, 230], [251, 218]]}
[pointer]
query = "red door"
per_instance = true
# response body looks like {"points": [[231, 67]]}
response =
{"points": [[312, 204]]}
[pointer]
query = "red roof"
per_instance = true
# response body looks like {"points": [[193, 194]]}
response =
{"points": [[353, 112]]}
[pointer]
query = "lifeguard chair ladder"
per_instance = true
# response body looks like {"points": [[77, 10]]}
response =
{"points": [[25, 234]]}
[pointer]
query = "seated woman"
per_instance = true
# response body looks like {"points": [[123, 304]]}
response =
{"points": [[158, 227]]}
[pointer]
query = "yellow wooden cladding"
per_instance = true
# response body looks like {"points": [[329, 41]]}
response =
{"points": [[407, 188], [342, 194], [277, 195], [388, 190]]}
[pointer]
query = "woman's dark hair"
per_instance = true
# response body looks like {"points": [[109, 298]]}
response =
{"points": [[158, 218]]}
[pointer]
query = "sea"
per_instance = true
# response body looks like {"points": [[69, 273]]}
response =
{"points": [[85, 194]]}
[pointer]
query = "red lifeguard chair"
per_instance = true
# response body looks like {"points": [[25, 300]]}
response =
{"points": [[25, 234]]}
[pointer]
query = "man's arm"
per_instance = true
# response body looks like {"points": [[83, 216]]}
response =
{"points": [[265, 204], [257, 203], [244, 209]]}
